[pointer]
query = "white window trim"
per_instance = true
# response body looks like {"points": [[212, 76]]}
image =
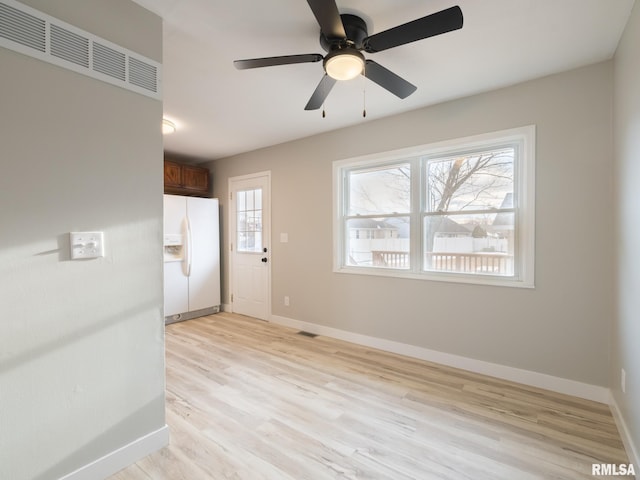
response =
{"points": [[525, 178]]}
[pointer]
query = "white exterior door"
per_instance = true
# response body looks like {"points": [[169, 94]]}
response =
{"points": [[250, 218]]}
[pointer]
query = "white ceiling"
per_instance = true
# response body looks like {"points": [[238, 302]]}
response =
{"points": [[221, 111]]}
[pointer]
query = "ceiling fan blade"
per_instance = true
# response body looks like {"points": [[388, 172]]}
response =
{"points": [[321, 92], [425, 27], [388, 80], [328, 17], [273, 61]]}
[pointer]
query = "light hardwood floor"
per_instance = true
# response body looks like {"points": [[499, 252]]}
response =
{"points": [[251, 400]]}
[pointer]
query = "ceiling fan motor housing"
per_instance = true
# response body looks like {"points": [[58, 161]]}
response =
{"points": [[356, 30]]}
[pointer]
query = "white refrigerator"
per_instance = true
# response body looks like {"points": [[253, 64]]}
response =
{"points": [[191, 257]]}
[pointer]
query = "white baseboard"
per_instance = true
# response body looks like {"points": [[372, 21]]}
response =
{"points": [[226, 307], [527, 377], [627, 440], [123, 457]]}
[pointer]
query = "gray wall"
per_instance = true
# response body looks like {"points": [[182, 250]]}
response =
{"points": [[560, 328], [81, 342], [626, 327]]}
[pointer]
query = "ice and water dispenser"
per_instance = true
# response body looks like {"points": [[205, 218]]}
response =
{"points": [[173, 248]]}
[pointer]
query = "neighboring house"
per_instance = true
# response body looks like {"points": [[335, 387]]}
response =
{"points": [[370, 229], [368, 235]]}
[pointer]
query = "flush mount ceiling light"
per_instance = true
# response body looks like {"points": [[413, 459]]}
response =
{"points": [[344, 64], [168, 126]]}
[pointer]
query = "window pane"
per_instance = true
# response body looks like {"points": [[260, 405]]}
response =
{"points": [[258, 199], [257, 221], [380, 190], [378, 242], [478, 244], [242, 222], [242, 201], [248, 242], [477, 181], [250, 203]]}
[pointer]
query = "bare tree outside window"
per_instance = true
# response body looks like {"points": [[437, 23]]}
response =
{"points": [[474, 182]]}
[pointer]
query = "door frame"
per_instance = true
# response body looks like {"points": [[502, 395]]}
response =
{"points": [[265, 177]]}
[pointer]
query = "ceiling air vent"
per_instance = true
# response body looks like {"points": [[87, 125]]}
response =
{"points": [[109, 61], [22, 28], [143, 74], [30, 32], [69, 46]]}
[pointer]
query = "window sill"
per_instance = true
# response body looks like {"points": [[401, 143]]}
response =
{"points": [[486, 280]]}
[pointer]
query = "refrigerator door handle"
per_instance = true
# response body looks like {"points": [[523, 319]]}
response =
{"points": [[189, 248]]}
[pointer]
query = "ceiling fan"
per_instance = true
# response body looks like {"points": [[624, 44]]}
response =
{"points": [[344, 38]]}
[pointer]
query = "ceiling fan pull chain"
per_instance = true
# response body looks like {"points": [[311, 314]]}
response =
{"points": [[364, 103], [323, 112], [364, 91]]}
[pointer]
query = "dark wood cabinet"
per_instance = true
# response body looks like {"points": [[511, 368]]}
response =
{"points": [[181, 179], [172, 174], [195, 178]]}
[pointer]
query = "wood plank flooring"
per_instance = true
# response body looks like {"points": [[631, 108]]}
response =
{"points": [[251, 400]]}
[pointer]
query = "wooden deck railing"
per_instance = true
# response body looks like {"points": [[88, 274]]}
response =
{"points": [[390, 259], [477, 262]]}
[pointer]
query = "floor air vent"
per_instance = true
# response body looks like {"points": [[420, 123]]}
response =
{"points": [[307, 334], [30, 32]]}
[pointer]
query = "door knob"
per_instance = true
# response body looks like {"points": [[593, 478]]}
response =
{"points": [[264, 259]]}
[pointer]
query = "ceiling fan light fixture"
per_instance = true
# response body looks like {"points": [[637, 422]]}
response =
{"points": [[344, 64], [168, 127]]}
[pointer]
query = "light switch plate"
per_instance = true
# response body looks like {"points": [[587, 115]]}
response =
{"points": [[86, 245]]}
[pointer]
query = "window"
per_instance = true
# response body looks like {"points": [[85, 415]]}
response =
{"points": [[459, 210]]}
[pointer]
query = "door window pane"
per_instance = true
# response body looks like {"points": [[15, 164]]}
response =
{"points": [[249, 220]]}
